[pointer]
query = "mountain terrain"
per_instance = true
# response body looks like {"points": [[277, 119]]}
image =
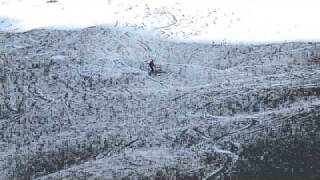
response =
{"points": [[81, 104]]}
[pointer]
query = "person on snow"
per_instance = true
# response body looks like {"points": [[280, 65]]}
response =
{"points": [[152, 66]]}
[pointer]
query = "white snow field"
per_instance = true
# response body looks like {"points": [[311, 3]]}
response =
{"points": [[205, 20], [81, 104]]}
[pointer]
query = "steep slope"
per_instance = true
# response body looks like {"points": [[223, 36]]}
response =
{"points": [[81, 104]]}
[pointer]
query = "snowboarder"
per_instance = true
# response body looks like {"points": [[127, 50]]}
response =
{"points": [[152, 66]]}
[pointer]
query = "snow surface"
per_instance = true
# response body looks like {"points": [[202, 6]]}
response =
{"points": [[81, 104], [206, 20]]}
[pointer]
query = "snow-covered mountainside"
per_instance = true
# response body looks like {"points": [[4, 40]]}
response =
{"points": [[82, 105]]}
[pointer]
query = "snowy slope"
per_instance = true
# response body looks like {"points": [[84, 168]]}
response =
{"points": [[80, 104], [230, 20]]}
